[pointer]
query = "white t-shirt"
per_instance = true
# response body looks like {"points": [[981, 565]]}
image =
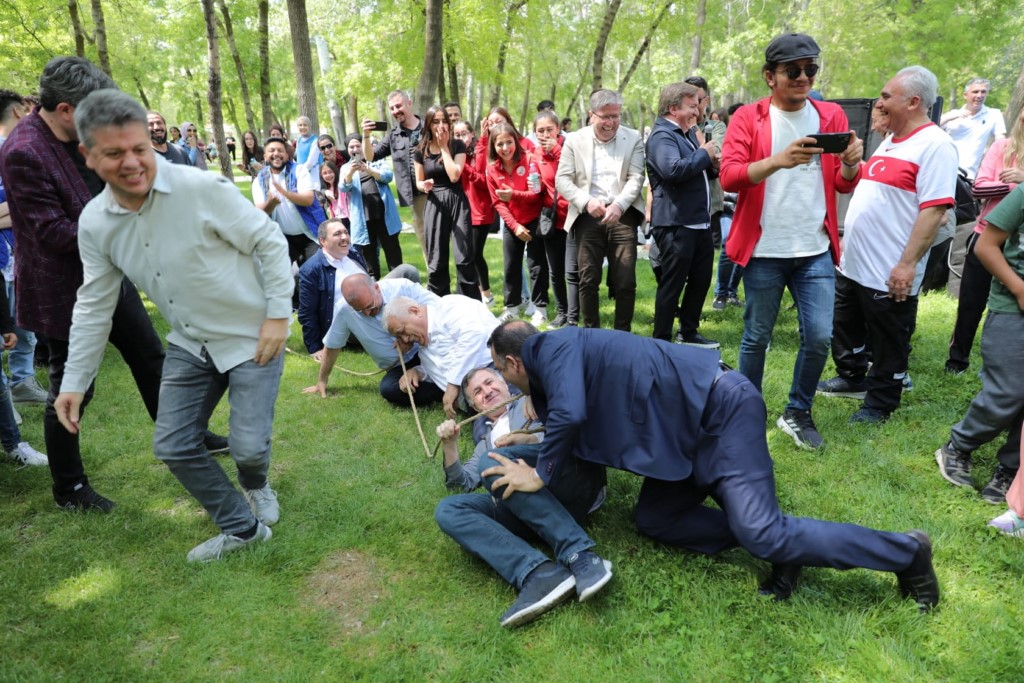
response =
{"points": [[971, 135], [286, 215], [904, 176], [793, 215]]}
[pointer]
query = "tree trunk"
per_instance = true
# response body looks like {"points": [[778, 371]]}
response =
{"points": [[76, 25], [142, 93], [442, 96], [200, 120], [525, 120], [323, 55], [213, 93], [645, 45], [229, 33], [305, 83], [100, 31], [453, 76], [266, 113], [698, 33], [503, 51], [434, 27], [353, 113], [602, 41], [233, 113]]}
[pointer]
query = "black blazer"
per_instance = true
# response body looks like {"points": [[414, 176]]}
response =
{"points": [[679, 172]]}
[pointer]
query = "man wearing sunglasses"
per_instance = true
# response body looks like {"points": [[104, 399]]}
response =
{"points": [[785, 231]]}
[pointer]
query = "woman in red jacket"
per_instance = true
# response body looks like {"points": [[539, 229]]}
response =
{"points": [[481, 209], [519, 205], [546, 127]]}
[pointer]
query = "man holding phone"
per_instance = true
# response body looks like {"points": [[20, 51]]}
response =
{"points": [[767, 160], [398, 143]]}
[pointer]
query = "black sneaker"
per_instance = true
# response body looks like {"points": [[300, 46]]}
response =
{"points": [[918, 581], [955, 368], [591, 573], [871, 416], [781, 583], [995, 491], [83, 499], [215, 443], [719, 303], [799, 425], [559, 321], [735, 301], [544, 587], [696, 339], [954, 465], [843, 388]]}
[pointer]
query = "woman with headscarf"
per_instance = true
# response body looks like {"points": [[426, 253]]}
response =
{"points": [[190, 143]]}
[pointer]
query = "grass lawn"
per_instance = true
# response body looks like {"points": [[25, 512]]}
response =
{"points": [[359, 584]]}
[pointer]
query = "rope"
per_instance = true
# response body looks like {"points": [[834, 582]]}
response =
{"points": [[476, 417], [338, 367], [415, 413]]}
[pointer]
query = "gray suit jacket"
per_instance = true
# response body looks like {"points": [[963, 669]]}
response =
{"points": [[572, 180]]}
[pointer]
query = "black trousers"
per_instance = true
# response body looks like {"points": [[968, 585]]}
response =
{"points": [[478, 240], [572, 280], [974, 287], [867, 318], [300, 248], [426, 394], [554, 249], [687, 259], [132, 334], [536, 263], [380, 239]]}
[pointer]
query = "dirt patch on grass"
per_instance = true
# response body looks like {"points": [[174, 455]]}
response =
{"points": [[347, 584]]}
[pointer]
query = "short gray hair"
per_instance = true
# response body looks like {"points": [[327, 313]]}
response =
{"points": [[103, 108], [473, 373], [920, 82], [975, 81], [673, 94], [397, 308], [599, 99], [399, 93], [69, 80], [321, 230]]}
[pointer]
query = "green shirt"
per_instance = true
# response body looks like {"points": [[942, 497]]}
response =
{"points": [[1008, 217]]}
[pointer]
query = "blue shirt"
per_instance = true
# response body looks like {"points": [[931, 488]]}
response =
{"points": [[370, 330]]}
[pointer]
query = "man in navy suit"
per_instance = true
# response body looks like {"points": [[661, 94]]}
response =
{"points": [[692, 428]]}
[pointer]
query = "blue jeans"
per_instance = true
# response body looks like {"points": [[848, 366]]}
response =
{"points": [[811, 279], [20, 359], [10, 435], [190, 390], [497, 531], [729, 273]]}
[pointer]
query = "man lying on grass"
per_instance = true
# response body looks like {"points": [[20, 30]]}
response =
{"points": [[180, 235], [499, 531], [692, 428]]}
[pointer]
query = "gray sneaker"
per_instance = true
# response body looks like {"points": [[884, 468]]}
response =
{"points": [[264, 504], [23, 454], [954, 465], [28, 391], [221, 544]]}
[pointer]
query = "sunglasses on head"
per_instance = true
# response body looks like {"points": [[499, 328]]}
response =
{"points": [[326, 146], [793, 72]]}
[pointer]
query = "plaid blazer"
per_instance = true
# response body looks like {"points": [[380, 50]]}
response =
{"points": [[46, 194]]}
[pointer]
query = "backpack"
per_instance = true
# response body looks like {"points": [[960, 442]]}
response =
{"points": [[966, 205]]}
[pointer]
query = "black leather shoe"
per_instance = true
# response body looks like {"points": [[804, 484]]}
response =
{"points": [[918, 581], [781, 582]]}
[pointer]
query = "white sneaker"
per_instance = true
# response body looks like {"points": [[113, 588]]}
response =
{"points": [[540, 316], [530, 308], [219, 545], [28, 391], [510, 313], [23, 454], [264, 504]]}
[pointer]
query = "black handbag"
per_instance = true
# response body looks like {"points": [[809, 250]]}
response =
{"points": [[546, 223]]}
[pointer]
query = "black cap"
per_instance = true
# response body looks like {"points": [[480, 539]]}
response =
{"points": [[791, 47]]}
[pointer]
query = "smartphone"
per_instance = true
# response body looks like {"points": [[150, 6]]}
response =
{"points": [[832, 143], [380, 125], [357, 158]]}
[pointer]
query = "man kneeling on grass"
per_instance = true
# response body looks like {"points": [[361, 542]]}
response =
{"points": [[498, 530], [218, 270]]}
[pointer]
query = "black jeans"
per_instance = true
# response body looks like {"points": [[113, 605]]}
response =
{"points": [[687, 259], [554, 249], [536, 263], [478, 237], [867, 318], [380, 239], [132, 334], [974, 286]]}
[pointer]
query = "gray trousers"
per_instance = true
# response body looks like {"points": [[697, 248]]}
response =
{"points": [[999, 406]]}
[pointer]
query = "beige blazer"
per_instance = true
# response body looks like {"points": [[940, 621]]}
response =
{"points": [[572, 180]]}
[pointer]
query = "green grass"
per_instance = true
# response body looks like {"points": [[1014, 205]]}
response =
{"points": [[359, 584]]}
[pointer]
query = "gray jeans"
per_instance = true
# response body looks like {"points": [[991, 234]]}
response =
{"points": [[189, 391], [998, 406]]}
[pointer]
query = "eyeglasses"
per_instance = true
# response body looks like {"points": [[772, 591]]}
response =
{"points": [[606, 117], [793, 72], [326, 146]]}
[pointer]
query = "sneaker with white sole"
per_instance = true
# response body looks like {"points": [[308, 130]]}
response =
{"points": [[510, 313], [530, 309], [221, 544], [540, 316], [264, 504], [545, 587], [799, 425], [591, 572], [1009, 523], [843, 387], [954, 465], [23, 454], [28, 391]]}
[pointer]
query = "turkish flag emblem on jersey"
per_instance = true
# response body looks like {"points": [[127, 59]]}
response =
{"points": [[898, 173]]}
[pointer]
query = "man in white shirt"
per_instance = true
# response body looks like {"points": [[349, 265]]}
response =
{"points": [[452, 335], [893, 218], [229, 310], [973, 126]]}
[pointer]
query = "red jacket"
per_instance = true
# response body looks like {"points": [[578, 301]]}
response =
{"points": [[548, 167], [525, 205], [474, 182], [749, 140]]}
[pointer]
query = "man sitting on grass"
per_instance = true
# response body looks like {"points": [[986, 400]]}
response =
{"points": [[228, 311], [692, 428], [499, 530]]}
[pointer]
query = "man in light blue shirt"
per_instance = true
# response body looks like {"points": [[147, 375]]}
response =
{"points": [[359, 314], [228, 310]]}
